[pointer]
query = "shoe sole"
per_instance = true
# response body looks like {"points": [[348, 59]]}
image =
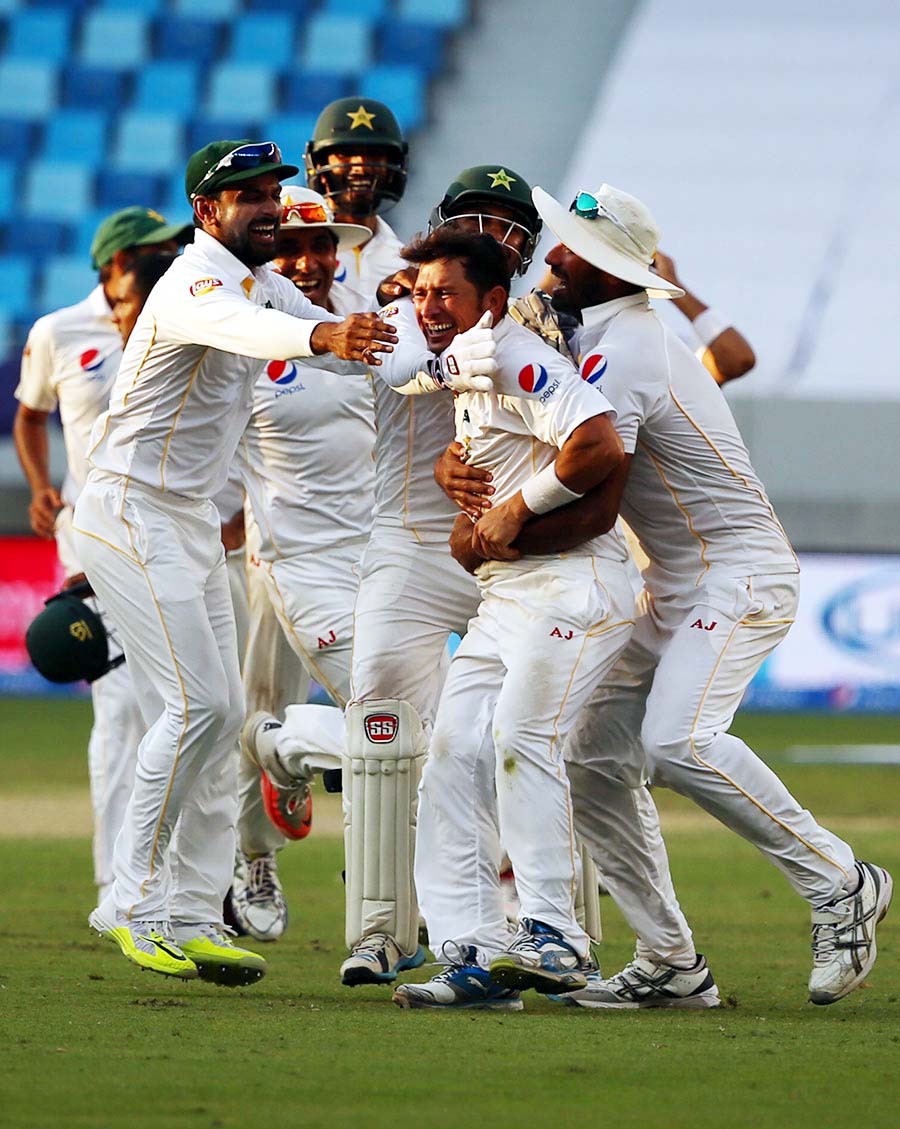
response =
{"points": [[228, 976], [356, 976], [143, 961], [406, 1004], [682, 1003], [885, 896], [507, 974]]}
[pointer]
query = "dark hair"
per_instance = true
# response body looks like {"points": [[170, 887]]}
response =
{"points": [[147, 270], [483, 260]]}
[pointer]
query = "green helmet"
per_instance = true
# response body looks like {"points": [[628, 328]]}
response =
{"points": [[67, 641], [358, 126], [489, 191]]}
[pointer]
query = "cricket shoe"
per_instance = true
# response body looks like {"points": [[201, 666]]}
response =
{"points": [[377, 959], [843, 936], [539, 957], [462, 984], [287, 799], [257, 900], [644, 983], [216, 956], [148, 944]]}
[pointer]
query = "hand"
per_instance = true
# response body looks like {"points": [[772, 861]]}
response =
{"points": [[233, 533], [45, 505], [461, 544], [468, 486], [357, 338], [74, 581], [398, 285], [467, 364], [665, 268], [496, 530]]}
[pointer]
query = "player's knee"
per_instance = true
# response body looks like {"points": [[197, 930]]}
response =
{"points": [[214, 713], [666, 745]]}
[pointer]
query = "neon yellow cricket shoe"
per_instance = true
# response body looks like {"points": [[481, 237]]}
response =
{"points": [[216, 956], [148, 944]]}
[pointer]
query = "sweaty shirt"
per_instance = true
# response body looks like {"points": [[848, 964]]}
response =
{"points": [[71, 359], [184, 391], [692, 496]]}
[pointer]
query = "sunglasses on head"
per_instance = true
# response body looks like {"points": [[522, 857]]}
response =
{"points": [[244, 157], [307, 211], [588, 207]]}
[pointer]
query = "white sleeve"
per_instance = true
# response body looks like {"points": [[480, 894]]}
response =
{"points": [[559, 403], [213, 313], [36, 388], [410, 356], [627, 385]]}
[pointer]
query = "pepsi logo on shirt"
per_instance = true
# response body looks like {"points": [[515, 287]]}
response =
{"points": [[593, 367], [532, 378]]}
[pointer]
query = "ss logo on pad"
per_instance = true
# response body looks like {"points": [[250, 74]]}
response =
{"points": [[382, 727]]}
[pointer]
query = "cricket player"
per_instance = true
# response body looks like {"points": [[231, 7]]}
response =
{"points": [[720, 593], [150, 542], [70, 361], [546, 630]]}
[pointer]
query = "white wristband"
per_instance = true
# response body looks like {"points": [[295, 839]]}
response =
{"points": [[709, 325], [544, 492]]}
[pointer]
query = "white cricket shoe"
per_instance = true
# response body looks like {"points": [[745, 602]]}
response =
{"points": [[377, 959], [463, 983], [257, 899], [843, 936], [539, 957], [644, 983]]}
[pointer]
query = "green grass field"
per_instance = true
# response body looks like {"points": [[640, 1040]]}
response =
{"points": [[88, 1041]]}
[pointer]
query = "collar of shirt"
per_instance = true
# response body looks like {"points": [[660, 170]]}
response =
{"points": [[98, 304], [218, 256], [598, 317]]}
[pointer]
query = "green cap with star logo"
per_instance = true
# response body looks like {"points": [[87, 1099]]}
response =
{"points": [[134, 227]]}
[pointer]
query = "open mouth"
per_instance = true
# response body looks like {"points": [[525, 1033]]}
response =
{"points": [[263, 231], [307, 285], [440, 331]]}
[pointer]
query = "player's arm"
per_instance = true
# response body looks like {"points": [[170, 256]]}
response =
{"points": [[727, 354], [33, 449]]}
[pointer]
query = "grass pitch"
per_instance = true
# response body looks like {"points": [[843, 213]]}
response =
{"points": [[88, 1041]]}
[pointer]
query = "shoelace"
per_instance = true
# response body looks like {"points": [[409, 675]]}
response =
{"points": [[830, 936], [455, 956], [371, 944], [160, 928], [261, 883], [218, 934]]}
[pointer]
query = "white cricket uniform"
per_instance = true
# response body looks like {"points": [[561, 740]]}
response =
{"points": [[307, 461], [721, 592], [228, 501], [547, 629], [149, 538], [364, 268], [70, 361]]}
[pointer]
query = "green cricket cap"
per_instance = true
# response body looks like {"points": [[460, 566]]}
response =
{"points": [[224, 163], [134, 227]]}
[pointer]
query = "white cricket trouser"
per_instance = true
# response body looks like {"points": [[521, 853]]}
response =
{"points": [[116, 732], [664, 712], [412, 597], [156, 561], [541, 641], [235, 565]]}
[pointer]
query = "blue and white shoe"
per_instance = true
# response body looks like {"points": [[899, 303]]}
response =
{"points": [[377, 959], [462, 984], [540, 958]]}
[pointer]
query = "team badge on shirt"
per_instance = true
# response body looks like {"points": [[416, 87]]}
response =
{"points": [[593, 367], [91, 360], [204, 286], [340, 273], [389, 312], [281, 372], [532, 378]]}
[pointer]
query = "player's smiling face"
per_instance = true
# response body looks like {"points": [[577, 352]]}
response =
{"points": [[245, 218], [446, 302], [577, 285], [309, 259]]}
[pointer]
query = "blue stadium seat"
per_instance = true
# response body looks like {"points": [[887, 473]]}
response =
{"points": [[18, 279], [213, 9], [38, 237], [265, 38], [7, 7], [173, 202], [17, 138], [66, 280], [39, 34], [372, 9], [296, 7], [444, 13], [340, 44], [291, 131], [401, 88], [27, 89], [113, 39], [86, 229], [76, 135], [309, 93], [148, 142], [167, 86], [421, 45], [94, 88], [252, 88], [148, 7], [58, 188], [9, 189], [116, 189], [187, 37], [203, 130]]}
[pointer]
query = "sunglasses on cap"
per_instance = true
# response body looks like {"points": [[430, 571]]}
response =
{"points": [[244, 157], [307, 211], [588, 207]]}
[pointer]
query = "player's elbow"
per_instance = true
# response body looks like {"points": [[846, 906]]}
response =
{"points": [[734, 362]]}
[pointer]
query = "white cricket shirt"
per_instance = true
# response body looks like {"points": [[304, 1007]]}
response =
{"points": [[519, 428], [364, 268], [692, 496], [306, 453], [185, 386], [71, 359]]}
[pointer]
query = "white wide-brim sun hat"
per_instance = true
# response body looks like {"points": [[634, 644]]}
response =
{"points": [[302, 209], [620, 238]]}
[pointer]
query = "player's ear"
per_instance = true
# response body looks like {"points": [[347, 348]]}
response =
{"points": [[206, 209], [495, 301]]}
